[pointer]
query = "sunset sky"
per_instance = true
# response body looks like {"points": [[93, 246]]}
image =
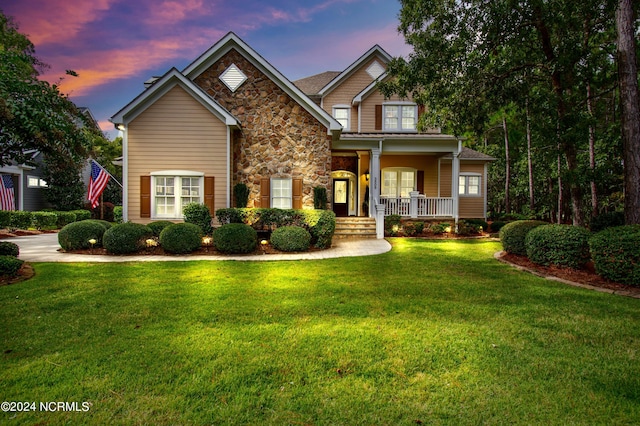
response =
{"points": [[115, 45]]}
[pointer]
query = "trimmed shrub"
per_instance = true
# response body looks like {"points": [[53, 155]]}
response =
{"points": [[616, 254], [392, 224], [9, 266], [5, 218], [104, 223], [9, 249], [321, 224], [470, 227], [291, 238], [117, 214], [20, 220], [439, 228], [181, 238], [241, 195], [76, 235], [43, 220], [512, 235], [82, 214], [235, 238], [125, 238], [607, 220], [562, 245], [158, 226], [319, 198], [199, 214], [64, 218]]}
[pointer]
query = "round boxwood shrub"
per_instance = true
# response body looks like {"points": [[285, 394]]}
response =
{"points": [[9, 266], [512, 235], [562, 245], [158, 226], [125, 238], [181, 238], [235, 238], [291, 238], [616, 254], [65, 218], [9, 249], [76, 235], [198, 214]]}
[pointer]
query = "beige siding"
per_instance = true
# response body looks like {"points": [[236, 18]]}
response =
{"points": [[176, 133], [368, 110], [445, 178], [472, 207], [348, 89]]}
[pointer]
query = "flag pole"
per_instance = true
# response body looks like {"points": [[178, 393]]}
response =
{"points": [[114, 179]]}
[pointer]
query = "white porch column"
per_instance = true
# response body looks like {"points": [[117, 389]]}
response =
{"points": [[379, 215], [374, 180], [413, 206], [455, 174]]}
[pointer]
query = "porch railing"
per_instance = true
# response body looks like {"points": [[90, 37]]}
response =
{"points": [[418, 206]]}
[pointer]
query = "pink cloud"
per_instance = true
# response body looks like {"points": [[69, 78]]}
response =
{"points": [[57, 21], [171, 12]]}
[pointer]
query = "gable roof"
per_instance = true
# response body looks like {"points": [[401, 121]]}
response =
{"points": [[472, 154], [374, 51], [232, 41], [167, 82]]}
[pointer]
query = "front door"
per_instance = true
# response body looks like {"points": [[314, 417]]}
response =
{"points": [[341, 197]]}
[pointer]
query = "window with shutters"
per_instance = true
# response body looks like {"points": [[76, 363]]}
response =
{"points": [[398, 182], [171, 193], [400, 117], [281, 193]]}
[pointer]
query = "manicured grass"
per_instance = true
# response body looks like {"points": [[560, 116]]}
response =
{"points": [[436, 332]]}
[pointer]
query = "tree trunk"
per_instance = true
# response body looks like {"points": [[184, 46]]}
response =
{"points": [[532, 203], [592, 155], [507, 180], [560, 198], [630, 100]]}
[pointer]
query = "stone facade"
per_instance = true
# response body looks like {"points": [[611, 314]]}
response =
{"points": [[278, 138]]}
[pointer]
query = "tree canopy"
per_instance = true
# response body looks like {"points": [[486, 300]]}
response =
{"points": [[35, 115], [546, 67]]}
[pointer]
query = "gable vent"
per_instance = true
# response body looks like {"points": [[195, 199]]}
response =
{"points": [[233, 77], [375, 70]]}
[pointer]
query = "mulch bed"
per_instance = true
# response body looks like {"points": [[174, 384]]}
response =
{"points": [[24, 273], [586, 276]]}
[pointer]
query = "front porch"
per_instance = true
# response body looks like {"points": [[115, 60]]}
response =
{"points": [[418, 206]]}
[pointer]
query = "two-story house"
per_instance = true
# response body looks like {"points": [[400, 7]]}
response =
{"points": [[231, 117]]}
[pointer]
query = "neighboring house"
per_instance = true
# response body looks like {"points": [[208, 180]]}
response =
{"points": [[231, 117], [28, 184]]}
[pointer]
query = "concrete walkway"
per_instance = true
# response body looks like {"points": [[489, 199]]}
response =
{"points": [[44, 248]]}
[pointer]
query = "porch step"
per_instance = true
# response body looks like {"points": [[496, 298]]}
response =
{"points": [[355, 227]]}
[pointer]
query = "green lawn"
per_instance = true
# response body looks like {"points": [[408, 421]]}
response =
{"points": [[436, 332]]}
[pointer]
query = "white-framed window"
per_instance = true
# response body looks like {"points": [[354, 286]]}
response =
{"points": [[400, 117], [398, 182], [342, 114], [281, 193], [36, 182], [469, 185], [171, 192]]}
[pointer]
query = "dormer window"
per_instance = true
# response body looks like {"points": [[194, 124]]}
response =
{"points": [[342, 114], [400, 117]]}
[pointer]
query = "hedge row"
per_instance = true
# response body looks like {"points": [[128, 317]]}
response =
{"points": [[615, 251], [321, 224], [9, 262], [41, 219]]}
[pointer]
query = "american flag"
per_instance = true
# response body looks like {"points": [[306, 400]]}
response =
{"points": [[97, 183], [7, 195]]}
